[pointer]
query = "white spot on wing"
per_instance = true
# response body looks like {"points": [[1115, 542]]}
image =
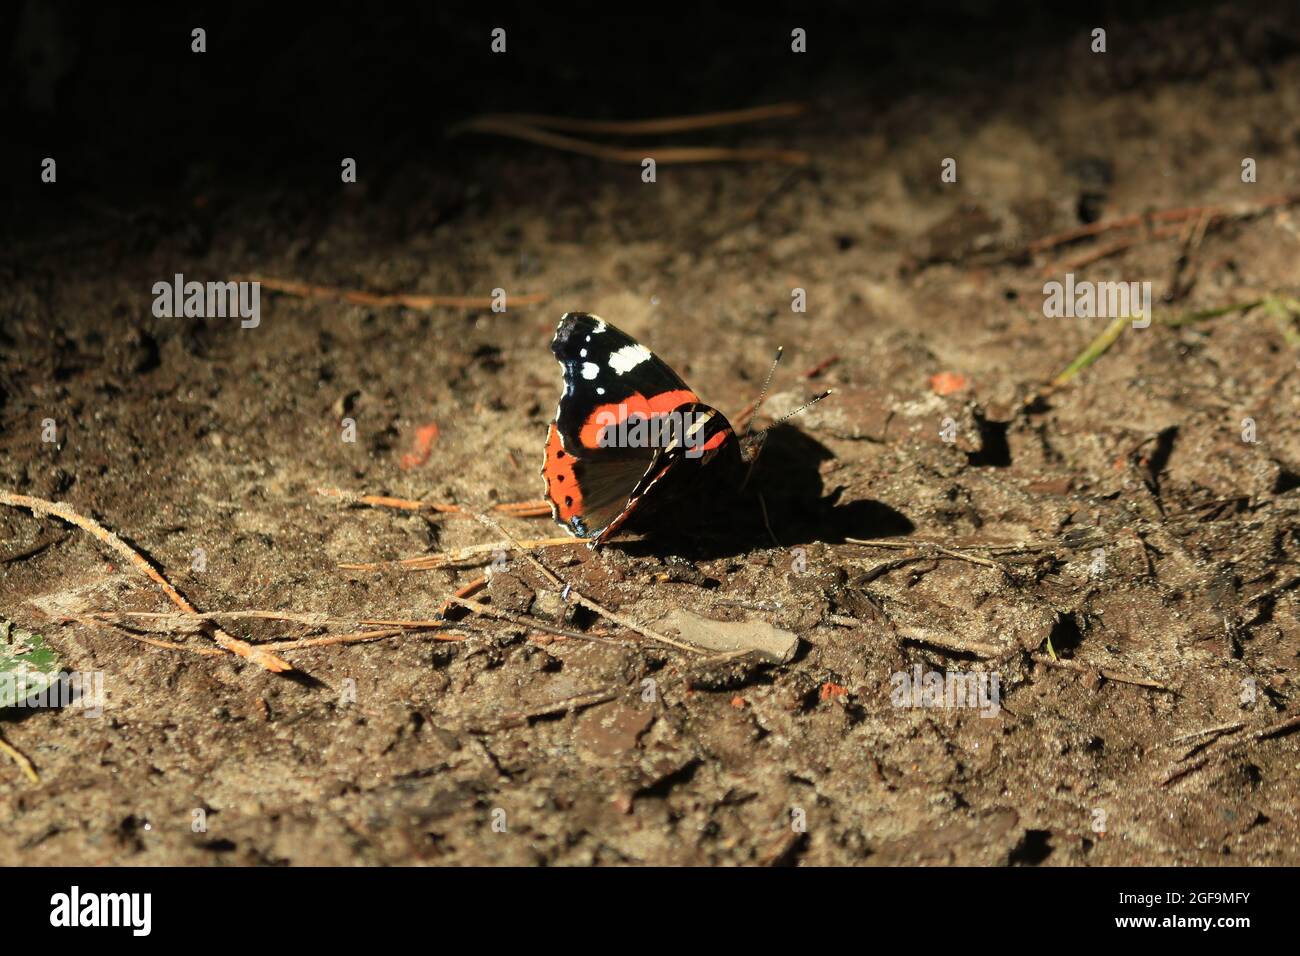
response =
{"points": [[628, 358], [590, 370]]}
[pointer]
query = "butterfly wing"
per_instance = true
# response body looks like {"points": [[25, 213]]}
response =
{"points": [[610, 380], [608, 373], [588, 494]]}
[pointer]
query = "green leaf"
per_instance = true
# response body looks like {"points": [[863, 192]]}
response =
{"points": [[27, 664]]}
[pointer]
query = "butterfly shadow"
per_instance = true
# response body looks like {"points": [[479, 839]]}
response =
{"points": [[783, 502]]}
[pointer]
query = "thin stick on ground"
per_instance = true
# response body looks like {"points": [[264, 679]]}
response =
{"points": [[100, 619], [885, 567], [362, 637], [934, 639], [663, 155], [1274, 592], [590, 699], [664, 124], [383, 501], [306, 290], [973, 559], [466, 591], [20, 758], [410, 623], [108, 625], [520, 717], [1187, 263], [1000, 547], [182, 621], [524, 509], [944, 642], [516, 509], [233, 644], [195, 618], [939, 550], [1108, 250], [821, 366], [167, 645], [1222, 748], [1110, 675], [427, 562], [573, 594], [630, 624], [1163, 215], [532, 624], [1206, 737]]}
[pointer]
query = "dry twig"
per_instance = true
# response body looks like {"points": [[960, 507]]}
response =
{"points": [[427, 562], [20, 758], [306, 290], [65, 513], [1221, 749], [945, 643], [537, 129], [531, 624], [1163, 215], [515, 509], [572, 593], [468, 590], [1110, 675], [666, 124], [908, 544], [520, 717]]}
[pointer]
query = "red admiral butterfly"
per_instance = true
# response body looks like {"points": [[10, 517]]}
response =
{"points": [[625, 421]]}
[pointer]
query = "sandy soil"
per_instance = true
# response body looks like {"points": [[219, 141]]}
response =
{"points": [[184, 435]]}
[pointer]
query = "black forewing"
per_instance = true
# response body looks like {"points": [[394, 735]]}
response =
{"points": [[583, 345]]}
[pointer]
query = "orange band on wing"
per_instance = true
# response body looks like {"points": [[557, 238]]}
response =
{"points": [[635, 404], [717, 440], [561, 482]]}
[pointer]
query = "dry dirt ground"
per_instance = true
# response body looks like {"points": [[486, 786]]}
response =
{"points": [[194, 434]]}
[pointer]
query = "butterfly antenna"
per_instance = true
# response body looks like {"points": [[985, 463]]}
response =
{"points": [[767, 382], [806, 405]]}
